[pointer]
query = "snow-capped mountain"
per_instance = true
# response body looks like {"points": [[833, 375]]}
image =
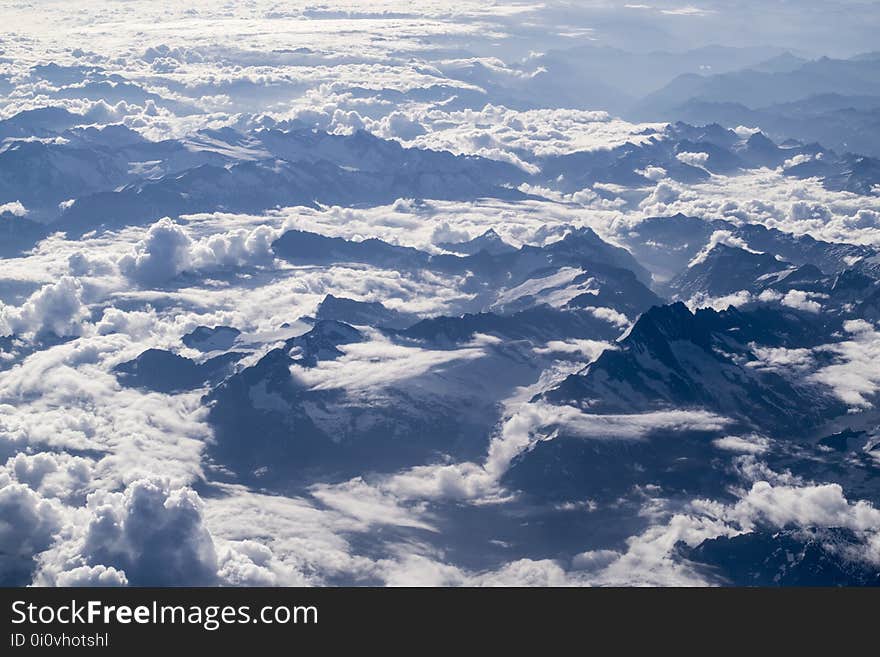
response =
{"points": [[673, 358], [458, 294], [726, 269]]}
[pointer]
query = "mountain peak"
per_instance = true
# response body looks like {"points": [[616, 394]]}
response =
{"points": [[321, 342], [361, 313], [675, 358], [725, 269], [206, 338], [489, 241], [672, 322], [760, 140]]}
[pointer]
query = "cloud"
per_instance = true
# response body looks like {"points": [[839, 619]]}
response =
{"points": [[518, 137], [801, 301], [367, 503], [53, 475], [693, 159], [526, 572], [56, 307], [744, 444], [310, 544], [588, 350], [167, 251], [445, 233], [629, 427], [665, 193], [720, 237], [378, 363], [609, 315], [744, 132], [81, 265], [161, 255], [420, 570], [800, 158], [854, 377], [137, 324], [807, 211], [249, 563], [772, 199], [806, 506], [652, 172], [398, 125], [593, 559], [527, 425], [797, 299], [92, 576], [28, 524], [686, 11], [234, 248], [782, 360], [651, 559], [14, 208], [152, 533], [65, 398], [418, 566]]}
